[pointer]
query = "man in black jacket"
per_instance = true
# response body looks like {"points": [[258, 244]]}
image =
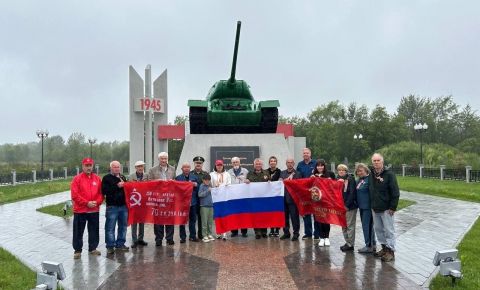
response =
{"points": [[116, 212], [384, 195]]}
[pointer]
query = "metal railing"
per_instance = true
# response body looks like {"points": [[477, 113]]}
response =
{"points": [[441, 173]]}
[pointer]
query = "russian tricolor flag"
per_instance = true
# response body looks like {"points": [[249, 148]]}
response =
{"points": [[253, 205]]}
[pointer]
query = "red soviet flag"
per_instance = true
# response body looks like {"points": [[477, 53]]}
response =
{"points": [[158, 202], [329, 208]]}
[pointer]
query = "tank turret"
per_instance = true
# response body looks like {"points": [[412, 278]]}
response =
{"points": [[230, 107]]}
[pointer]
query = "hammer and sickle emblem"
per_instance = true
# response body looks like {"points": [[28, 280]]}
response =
{"points": [[316, 193], [135, 198]]}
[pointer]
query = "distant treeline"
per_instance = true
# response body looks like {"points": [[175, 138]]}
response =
{"points": [[452, 137]]}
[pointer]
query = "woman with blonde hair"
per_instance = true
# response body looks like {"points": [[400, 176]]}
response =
{"points": [[350, 201], [363, 201]]}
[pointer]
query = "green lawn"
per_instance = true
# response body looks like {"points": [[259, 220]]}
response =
{"points": [[468, 248], [468, 251], [56, 210], [14, 274], [25, 191], [446, 188], [403, 203]]}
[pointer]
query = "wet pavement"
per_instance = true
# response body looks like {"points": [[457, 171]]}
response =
{"points": [[241, 263]]}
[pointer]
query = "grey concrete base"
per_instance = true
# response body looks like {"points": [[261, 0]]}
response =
{"points": [[270, 145]]}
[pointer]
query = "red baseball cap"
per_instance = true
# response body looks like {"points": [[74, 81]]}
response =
{"points": [[87, 160], [218, 162]]}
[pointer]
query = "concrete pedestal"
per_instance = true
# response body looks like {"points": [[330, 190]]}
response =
{"points": [[269, 145]]}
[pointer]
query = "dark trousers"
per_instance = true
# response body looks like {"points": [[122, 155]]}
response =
{"points": [[244, 231], [80, 220], [199, 220], [141, 230], [291, 213], [260, 231], [367, 227], [161, 230], [324, 230], [307, 223], [192, 220]]}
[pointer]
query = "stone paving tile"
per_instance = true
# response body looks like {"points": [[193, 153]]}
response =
{"points": [[22, 234], [430, 225]]}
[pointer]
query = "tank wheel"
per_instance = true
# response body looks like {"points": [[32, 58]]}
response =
{"points": [[198, 120], [269, 120]]}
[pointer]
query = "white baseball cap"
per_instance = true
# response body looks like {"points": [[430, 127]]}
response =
{"points": [[138, 163]]}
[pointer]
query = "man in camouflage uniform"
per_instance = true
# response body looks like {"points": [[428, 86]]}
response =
{"points": [[258, 175]]}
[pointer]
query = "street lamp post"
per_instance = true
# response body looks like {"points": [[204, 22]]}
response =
{"points": [[91, 141], [358, 137], [42, 134], [421, 128]]}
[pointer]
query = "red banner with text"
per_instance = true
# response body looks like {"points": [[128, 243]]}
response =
{"points": [[321, 197], [158, 202]]}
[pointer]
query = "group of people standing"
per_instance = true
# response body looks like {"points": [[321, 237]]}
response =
{"points": [[375, 192]]}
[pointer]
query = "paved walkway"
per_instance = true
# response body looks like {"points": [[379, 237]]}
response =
{"points": [[432, 224]]}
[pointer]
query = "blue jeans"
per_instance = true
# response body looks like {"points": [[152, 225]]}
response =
{"points": [[307, 224], [192, 220], [114, 215], [367, 227], [384, 225]]}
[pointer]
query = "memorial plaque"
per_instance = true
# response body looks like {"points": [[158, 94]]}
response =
{"points": [[246, 154]]}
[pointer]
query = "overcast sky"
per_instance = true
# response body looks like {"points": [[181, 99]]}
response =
{"points": [[64, 64]]}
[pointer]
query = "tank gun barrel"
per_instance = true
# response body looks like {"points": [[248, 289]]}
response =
{"points": [[235, 52]]}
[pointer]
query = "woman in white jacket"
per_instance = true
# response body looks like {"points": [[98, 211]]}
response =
{"points": [[220, 177]]}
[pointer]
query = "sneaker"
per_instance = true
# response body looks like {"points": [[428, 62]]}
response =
{"points": [[316, 238], [206, 240], [110, 251], [285, 237], [271, 234], [142, 243], [211, 238], [327, 242], [388, 256], [346, 248], [77, 255], [122, 248], [305, 237], [321, 243], [380, 253], [276, 234], [294, 238], [365, 250], [95, 252], [170, 242], [224, 237]]}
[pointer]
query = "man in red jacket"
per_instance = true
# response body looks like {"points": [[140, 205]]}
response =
{"points": [[87, 198]]}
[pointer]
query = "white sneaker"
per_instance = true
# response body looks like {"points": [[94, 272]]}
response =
{"points": [[206, 239], [321, 243], [224, 236], [211, 238], [327, 242]]}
